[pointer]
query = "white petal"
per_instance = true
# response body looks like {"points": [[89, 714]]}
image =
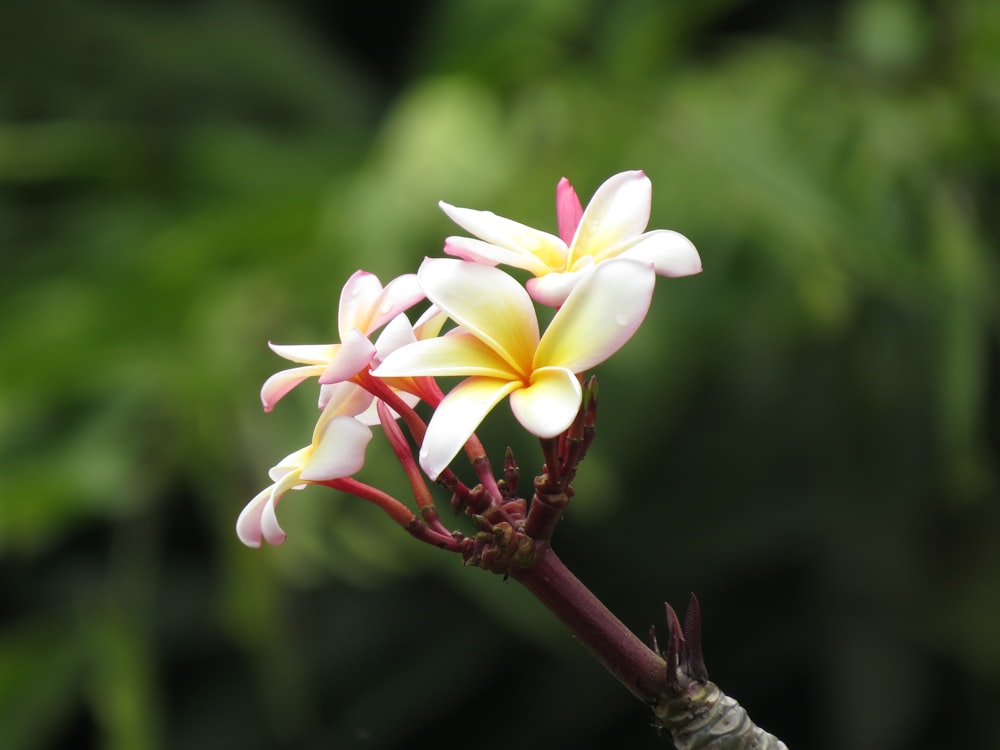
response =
{"points": [[486, 302], [259, 520], [607, 306], [509, 234], [457, 354], [276, 386], [671, 253], [553, 288], [358, 298], [457, 417], [547, 406], [339, 450], [487, 254], [353, 356], [248, 523], [397, 334], [345, 398], [399, 295], [290, 464], [430, 323], [307, 354], [269, 525], [619, 210]]}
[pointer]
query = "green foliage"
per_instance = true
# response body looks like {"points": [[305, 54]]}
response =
{"points": [[806, 434]]}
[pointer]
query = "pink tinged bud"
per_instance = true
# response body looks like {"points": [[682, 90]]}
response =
{"points": [[568, 210]]}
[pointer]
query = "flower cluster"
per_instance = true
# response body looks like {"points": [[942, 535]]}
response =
{"points": [[599, 274]]}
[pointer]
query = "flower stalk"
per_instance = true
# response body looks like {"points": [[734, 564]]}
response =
{"points": [[635, 665]]}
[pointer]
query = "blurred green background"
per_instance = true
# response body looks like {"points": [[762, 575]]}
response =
{"points": [[807, 434]]}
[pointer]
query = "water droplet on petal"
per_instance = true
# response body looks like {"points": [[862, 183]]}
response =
{"points": [[621, 319], [424, 453], [385, 307], [355, 292]]}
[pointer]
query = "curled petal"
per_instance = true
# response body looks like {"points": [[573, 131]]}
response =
{"points": [[457, 417], [269, 526], [248, 524], [354, 355], [259, 519], [487, 303], [338, 450], [671, 253], [516, 237], [547, 406], [290, 465], [602, 312], [276, 386], [618, 211]]}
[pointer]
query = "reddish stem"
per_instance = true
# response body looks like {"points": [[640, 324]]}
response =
{"points": [[421, 493], [637, 667], [396, 510], [380, 390]]}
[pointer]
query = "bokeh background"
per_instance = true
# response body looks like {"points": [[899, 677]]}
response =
{"points": [[806, 434]]}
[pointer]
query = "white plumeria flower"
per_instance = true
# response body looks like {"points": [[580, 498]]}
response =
{"points": [[498, 349], [612, 226], [337, 450], [365, 306]]}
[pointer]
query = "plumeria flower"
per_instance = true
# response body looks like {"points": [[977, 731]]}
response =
{"points": [[497, 347], [397, 333], [365, 306], [612, 226], [337, 450]]}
